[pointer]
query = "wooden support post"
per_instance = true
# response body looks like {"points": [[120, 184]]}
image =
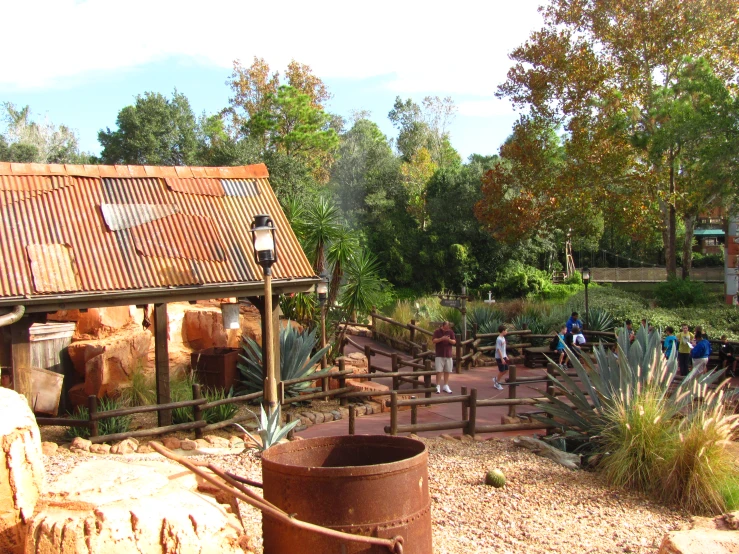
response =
{"points": [[324, 386], [352, 418], [394, 413], [414, 413], [342, 381], [161, 362], [512, 389], [550, 391], [459, 357], [465, 405], [289, 418], [368, 355], [427, 377], [92, 409], [20, 354], [276, 330], [197, 412], [373, 324], [412, 335], [281, 393], [470, 429]]}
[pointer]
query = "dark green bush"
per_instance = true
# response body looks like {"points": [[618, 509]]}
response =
{"points": [[708, 260], [107, 426], [676, 293], [516, 280]]}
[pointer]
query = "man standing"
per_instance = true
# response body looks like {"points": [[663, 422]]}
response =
{"points": [[444, 339]]}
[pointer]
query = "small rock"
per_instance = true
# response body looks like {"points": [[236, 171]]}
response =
{"points": [[202, 443], [100, 449], [336, 414], [447, 437], [173, 443], [368, 409], [304, 421], [319, 417], [297, 438], [218, 442], [127, 446], [49, 448], [81, 444], [466, 438], [188, 444], [235, 442], [144, 449]]}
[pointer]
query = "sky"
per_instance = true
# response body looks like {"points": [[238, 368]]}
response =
{"points": [[77, 62]]}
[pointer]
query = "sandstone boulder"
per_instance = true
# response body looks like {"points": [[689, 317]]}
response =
{"points": [[21, 470], [95, 323], [111, 507], [202, 327], [702, 535], [106, 365]]}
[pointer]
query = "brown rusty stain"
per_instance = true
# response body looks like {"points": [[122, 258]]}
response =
{"points": [[360, 484]]}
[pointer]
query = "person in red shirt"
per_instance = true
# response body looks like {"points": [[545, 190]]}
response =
{"points": [[444, 339]]}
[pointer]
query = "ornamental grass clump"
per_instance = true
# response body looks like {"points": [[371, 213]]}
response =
{"points": [[658, 435]]}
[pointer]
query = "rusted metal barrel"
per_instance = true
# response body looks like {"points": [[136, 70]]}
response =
{"points": [[372, 485]]}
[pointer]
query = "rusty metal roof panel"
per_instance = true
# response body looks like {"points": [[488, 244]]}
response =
{"points": [[75, 232], [208, 187]]}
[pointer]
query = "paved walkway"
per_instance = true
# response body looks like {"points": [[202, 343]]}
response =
{"points": [[479, 378]]}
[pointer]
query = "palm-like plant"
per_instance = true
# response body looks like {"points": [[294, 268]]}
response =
{"points": [[322, 225], [600, 320], [339, 254], [299, 307], [364, 286], [295, 361]]}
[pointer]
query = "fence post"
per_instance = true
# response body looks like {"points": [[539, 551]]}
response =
{"points": [[427, 378], [414, 412], [280, 393], [289, 418], [352, 418], [373, 323], [368, 355], [197, 412], [343, 401], [324, 386], [465, 404], [512, 389], [394, 413], [470, 429], [459, 356], [550, 390], [92, 410]]}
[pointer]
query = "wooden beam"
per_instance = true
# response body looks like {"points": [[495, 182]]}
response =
{"points": [[161, 362], [20, 354]]}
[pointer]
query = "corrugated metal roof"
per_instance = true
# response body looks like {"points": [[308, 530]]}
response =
{"points": [[80, 229]]}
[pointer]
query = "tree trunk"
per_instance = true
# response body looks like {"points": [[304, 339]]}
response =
{"points": [[688, 246], [671, 250]]}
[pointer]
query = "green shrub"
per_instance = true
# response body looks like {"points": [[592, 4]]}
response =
{"points": [[515, 280], [141, 391], [708, 260], [180, 390], [107, 426], [675, 293], [657, 436]]}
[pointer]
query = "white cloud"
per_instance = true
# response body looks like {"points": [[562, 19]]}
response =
{"points": [[457, 48]]}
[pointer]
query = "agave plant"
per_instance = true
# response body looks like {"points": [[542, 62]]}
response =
{"points": [[619, 378], [270, 431], [600, 320], [295, 361]]}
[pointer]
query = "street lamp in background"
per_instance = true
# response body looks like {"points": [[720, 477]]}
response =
{"points": [[322, 292], [586, 282], [265, 254]]}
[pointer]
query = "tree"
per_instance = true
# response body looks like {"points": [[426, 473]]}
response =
{"points": [[597, 64], [154, 131], [26, 140], [416, 175]]}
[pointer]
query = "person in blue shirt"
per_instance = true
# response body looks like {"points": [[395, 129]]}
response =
{"points": [[561, 345], [670, 341], [573, 321], [700, 352]]}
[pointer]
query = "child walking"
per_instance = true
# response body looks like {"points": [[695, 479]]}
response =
{"points": [[501, 357]]}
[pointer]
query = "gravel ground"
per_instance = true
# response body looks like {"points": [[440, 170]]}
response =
{"points": [[544, 508]]}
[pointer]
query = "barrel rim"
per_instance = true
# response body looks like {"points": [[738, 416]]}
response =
{"points": [[269, 463]]}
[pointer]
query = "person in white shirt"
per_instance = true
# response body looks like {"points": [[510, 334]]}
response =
{"points": [[578, 339], [501, 357]]}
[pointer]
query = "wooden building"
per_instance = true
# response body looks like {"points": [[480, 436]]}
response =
{"points": [[84, 236]]}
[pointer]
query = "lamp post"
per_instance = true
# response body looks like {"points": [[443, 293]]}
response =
{"points": [[322, 292], [586, 282], [265, 254]]}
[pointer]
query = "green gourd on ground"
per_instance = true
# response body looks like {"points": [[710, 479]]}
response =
{"points": [[495, 478]]}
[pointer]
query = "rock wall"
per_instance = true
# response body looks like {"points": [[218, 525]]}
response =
{"points": [[96, 323], [109, 507], [21, 470]]}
